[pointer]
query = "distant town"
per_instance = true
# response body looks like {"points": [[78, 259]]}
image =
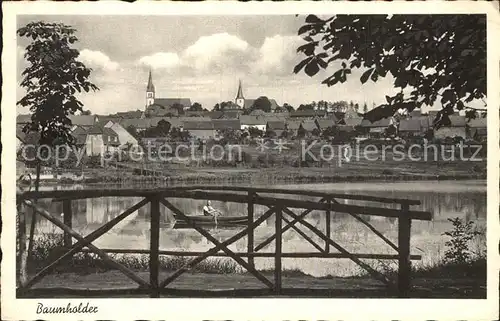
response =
{"points": [[256, 117], [243, 121]]}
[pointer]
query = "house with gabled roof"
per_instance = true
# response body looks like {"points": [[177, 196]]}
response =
{"points": [[124, 136], [79, 135], [101, 139], [277, 127], [324, 123], [247, 121], [456, 128], [200, 129], [376, 128], [414, 126], [476, 129]]}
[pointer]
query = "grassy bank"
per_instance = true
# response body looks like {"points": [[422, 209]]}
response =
{"points": [[281, 175], [48, 247]]}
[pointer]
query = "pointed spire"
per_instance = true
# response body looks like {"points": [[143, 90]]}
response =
{"points": [[151, 87], [240, 91]]}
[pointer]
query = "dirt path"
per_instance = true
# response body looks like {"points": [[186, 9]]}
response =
{"points": [[298, 285]]}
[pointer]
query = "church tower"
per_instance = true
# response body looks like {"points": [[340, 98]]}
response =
{"points": [[240, 100], [150, 91]]}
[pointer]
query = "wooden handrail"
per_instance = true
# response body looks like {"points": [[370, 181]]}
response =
{"points": [[80, 194], [371, 256], [242, 198]]}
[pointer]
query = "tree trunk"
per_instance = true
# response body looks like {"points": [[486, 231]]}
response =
{"points": [[33, 213]]}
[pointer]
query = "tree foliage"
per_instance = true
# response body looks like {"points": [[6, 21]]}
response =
{"points": [[338, 106], [430, 57], [52, 79], [179, 108], [196, 107], [263, 103], [229, 136], [365, 108], [289, 108], [458, 247], [133, 131], [179, 135], [255, 132], [305, 107], [301, 132], [161, 129], [224, 105]]}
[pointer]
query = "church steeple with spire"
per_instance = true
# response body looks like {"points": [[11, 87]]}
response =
{"points": [[150, 91], [240, 100]]}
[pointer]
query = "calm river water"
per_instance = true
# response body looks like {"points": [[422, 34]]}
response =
{"points": [[445, 199]]}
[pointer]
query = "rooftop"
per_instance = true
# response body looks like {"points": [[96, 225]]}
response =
{"points": [[221, 124]]}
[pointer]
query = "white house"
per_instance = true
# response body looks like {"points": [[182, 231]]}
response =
{"points": [[101, 139], [247, 121], [124, 137]]}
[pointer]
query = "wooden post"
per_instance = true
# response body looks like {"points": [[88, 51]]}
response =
{"points": [[250, 241], [404, 231], [154, 247], [68, 221], [328, 227], [32, 233], [23, 254], [278, 251]]}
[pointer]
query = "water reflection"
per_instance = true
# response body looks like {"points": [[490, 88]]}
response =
{"points": [[445, 199]]}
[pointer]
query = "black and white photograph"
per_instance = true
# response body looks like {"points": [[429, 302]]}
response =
{"points": [[324, 154]]}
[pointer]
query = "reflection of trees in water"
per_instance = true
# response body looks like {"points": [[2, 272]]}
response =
{"points": [[470, 205], [179, 239], [197, 237]]}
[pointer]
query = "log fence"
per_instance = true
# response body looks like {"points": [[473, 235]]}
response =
{"points": [[279, 207]]}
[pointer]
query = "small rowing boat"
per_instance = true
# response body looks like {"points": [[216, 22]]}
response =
{"points": [[203, 220]]}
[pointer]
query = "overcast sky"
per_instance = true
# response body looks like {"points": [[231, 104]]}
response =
{"points": [[198, 57]]}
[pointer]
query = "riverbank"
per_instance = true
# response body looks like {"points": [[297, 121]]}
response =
{"points": [[86, 271], [357, 172], [295, 284]]}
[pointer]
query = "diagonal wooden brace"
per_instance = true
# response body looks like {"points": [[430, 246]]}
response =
{"points": [[304, 235], [377, 275], [91, 247], [373, 229], [218, 246], [286, 228]]}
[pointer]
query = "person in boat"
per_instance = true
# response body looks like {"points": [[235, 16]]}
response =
{"points": [[208, 210]]}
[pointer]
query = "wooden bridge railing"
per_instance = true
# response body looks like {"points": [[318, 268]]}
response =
{"points": [[277, 206]]}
